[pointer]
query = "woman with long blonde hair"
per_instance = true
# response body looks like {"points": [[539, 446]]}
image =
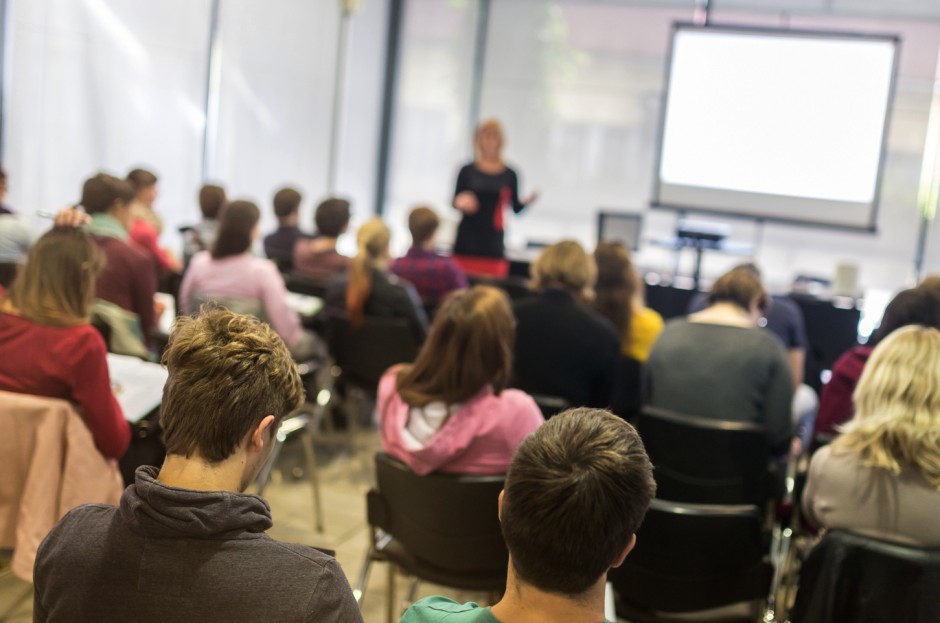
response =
{"points": [[47, 344], [368, 289], [881, 477]]}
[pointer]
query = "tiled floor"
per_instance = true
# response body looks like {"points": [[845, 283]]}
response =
{"points": [[345, 478]]}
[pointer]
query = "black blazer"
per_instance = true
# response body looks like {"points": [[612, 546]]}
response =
{"points": [[564, 349]]}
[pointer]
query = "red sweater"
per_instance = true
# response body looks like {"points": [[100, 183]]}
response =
{"points": [[69, 363], [129, 280], [835, 403]]}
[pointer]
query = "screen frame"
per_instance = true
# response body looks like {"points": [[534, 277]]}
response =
{"points": [[872, 226]]}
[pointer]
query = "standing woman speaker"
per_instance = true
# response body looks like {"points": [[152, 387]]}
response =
{"points": [[486, 188]]}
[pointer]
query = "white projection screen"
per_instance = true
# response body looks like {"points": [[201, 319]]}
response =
{"points": [[778, 125]]}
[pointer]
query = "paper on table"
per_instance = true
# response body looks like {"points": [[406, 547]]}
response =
{"points": [[303, 304], [137, 384]]}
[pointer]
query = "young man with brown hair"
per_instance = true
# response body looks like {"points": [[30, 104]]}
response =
{"points": [[318, 258], [575, 495], [186, 542], [433, 275], [279, 246]]}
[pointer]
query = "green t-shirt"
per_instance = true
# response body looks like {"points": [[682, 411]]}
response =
{"points": [[435, 609], [442, 610]]}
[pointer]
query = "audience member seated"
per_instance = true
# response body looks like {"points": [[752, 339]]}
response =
{"points": [[129, 278], [279, 246], [563, 348], [450, 410], [367, 289], [717, 364], [47, 345], [317, 258], [15, 239], [782, 317], [881, 477], [233, 277], [186, 543], [575, 496], [913, 306], [146, 225], [200, 236], [432, 274], [619, 298], [4, 208]]}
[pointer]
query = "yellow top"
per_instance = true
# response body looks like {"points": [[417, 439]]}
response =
{"points": [[645, 327]]}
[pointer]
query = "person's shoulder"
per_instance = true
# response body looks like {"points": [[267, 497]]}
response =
{"points": [[283, 553], [649, 316], [84, 522], [433, 609], [518, 401]]}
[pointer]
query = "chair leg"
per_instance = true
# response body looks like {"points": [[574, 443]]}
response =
{"points": [[413, 590], [264, 476], [360, 589], [390, 603], [314, 479]]}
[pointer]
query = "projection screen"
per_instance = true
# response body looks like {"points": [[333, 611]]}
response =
{"points": [[777, 125]]}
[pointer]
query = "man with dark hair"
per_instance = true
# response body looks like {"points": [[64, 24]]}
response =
{"points": [[129, 277], [199, 237], [279, 246], [433, 275], [318, 259], [575, 495], [186, 543]]}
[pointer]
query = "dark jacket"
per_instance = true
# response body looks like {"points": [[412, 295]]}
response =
{"points": [[171, 555], [391, 297], [128, 279], [564, 349]]}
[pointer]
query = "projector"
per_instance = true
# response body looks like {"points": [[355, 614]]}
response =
{"points": [[702, 232]]}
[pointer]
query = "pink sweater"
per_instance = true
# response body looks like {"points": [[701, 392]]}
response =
{"points": [[246, 278], [478, 438]]}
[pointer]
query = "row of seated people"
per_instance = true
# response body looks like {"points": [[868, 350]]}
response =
{"points": [[448, 420], [735, 304], [569, 478]]}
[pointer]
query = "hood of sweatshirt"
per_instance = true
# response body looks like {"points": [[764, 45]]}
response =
{"points": [[151, 508]]}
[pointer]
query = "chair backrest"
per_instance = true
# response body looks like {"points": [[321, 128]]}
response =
{"points": [[365, 352], [306, 285], [446, 520], [850, 577], [550, 405], [694, 557], [706, 461], [50, 465], [627, 399]]}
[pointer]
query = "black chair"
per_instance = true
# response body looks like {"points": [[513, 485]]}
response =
{"points": [[516, 288], [364, 353], [550, 405], [627, 399], [706, 461], [305, 285], [690, 558], [440, 528], [852, 578]]}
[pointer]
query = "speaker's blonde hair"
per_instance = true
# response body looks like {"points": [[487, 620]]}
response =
{"points": [[897, 405]]}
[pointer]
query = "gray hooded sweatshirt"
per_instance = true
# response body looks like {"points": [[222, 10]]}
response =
{"points": [[173, 555]]}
